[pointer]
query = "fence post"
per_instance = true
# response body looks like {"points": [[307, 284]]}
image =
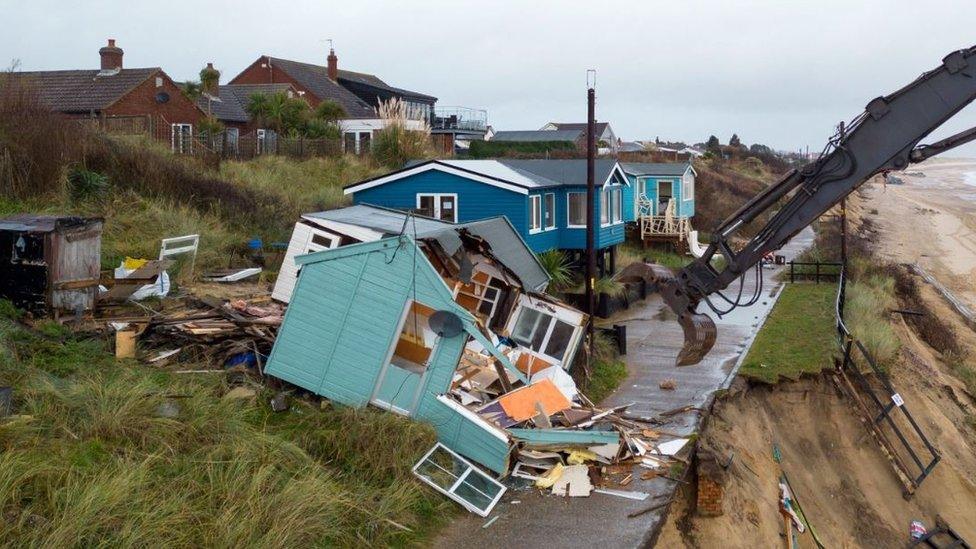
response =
{"points": [[817, 275], [792, 277]]}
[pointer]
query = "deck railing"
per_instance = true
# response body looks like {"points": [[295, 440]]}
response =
{"points": [[668, 224]]}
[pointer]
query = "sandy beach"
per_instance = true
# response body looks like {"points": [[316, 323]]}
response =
{"points": [[930, 219]]}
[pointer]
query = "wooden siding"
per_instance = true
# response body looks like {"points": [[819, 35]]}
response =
{"points": [[343, 320]]}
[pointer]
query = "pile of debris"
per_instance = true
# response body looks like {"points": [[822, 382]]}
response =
{"points": [[227, 333]]}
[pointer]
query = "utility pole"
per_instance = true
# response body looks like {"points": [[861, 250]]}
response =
{"points": [[590, 204]]}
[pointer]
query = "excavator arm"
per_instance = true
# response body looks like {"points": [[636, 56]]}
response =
{"points": [[883, 138]]}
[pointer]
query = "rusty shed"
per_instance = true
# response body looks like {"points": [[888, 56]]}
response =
{"points": [[50, 264]]}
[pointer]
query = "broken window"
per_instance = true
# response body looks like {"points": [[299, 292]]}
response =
{"points": [[456, 478], [482, 295], [416, 341], [548, 333]]}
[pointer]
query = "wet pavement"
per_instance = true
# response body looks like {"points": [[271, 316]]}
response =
{"points": [[527, 518]]}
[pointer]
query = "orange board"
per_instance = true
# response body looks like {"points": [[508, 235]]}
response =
{"points": [[520, 403]]}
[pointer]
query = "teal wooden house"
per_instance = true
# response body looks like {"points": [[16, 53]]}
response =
{"points": [[660, 198], [545, 200], [358, 332]]}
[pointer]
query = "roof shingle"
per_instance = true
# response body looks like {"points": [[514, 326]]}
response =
{"points": [[81, 91], [316, 79]]}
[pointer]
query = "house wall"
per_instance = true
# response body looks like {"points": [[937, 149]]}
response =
{"points": [[685, 208], [342, 322], [566, 238], [141, 101]]}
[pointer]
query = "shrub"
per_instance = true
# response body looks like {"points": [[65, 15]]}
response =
{"points": [[494, 149], [395, 145], [87, 184], [558, 266]]}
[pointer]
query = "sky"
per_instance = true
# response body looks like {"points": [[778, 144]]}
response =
{"points": [[780, 72]]}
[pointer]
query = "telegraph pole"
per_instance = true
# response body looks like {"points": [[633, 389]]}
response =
{"points": [[590, 204]]}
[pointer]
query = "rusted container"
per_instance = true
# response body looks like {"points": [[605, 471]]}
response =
{"points": [[50, 264]]}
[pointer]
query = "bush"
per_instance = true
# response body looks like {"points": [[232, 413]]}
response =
{"points": [[395, 145], [558, 267], [494, 149]]}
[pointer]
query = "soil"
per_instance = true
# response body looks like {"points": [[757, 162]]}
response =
{"points": [[846, 486]]}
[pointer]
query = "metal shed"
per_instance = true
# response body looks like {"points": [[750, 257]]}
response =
{"points": [[50, 264]]}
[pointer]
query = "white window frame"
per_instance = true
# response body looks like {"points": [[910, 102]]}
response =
{"points": [[437, 204], [535, 213], [569, 316], [657, 193], [570, 225], [605, 207], [177, 129], [687, 186], [450, 492], [549, 203], [616, 205]]}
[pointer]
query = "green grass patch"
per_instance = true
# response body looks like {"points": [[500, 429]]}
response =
{"points": [[798, 337], [605, 377], [88, 459]]}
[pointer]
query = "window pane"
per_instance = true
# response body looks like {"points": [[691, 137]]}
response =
{"points": [[562, 333], [448, 211], [426, 205], [604, 206], [364, 138], [617, 203], [550, 211], [441, 469], [530, 328], [349, 139], [477, 490], [321, 240], [577, 208], [535, 213]]}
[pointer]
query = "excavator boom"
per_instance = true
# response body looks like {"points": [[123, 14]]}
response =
{"points": [[883, 138]]}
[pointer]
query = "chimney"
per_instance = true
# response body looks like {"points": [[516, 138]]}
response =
{"points": [[111, 56], [333, 65], [210, 80]]}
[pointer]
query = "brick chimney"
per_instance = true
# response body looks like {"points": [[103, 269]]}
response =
{"points": [[333, 65], [111, 56]]}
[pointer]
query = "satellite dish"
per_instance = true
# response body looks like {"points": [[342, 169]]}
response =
{"points": [[445, 323], [162, 97]]}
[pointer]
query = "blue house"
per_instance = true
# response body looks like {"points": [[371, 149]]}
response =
{"points": [[660, 197], [545, 200]]}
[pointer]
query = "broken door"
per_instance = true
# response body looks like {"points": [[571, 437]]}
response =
{"points": [[400, 382]]}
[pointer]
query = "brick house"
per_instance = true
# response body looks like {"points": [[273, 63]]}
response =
{"points": [[139, 100], [358, 93]]}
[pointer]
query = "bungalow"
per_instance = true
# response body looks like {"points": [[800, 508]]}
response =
{"points": [[359, 94], [606, 140], [660, 198], [140, 100], [545, 200]]}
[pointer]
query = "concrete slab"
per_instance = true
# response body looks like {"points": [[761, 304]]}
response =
{"points": [[653, 342]]}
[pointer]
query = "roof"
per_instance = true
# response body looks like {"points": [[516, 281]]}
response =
{"points": [[656, 168], [78, 91], [631, 146], [599, 127], [538, 135], [514, 175], [374, 81], [234, 98], [505, 242], [44, 223], [316, 79]]}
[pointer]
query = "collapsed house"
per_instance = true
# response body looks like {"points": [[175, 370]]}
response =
{"points": [[444, 323]]}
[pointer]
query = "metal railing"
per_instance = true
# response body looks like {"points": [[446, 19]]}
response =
{"points": [[815, 270], [459, 118], [882, 400]]}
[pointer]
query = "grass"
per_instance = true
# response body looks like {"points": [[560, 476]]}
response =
{"points": [[87, 460], [606, 372], [778, 352], [866, 316]]}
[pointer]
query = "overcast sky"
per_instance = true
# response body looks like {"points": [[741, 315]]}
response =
{"points": [[778, 72]]}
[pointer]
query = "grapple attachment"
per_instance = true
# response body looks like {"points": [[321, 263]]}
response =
{"points": [[699, 330]]}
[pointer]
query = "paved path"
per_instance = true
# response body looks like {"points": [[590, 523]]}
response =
{"points": [[528, 519]]}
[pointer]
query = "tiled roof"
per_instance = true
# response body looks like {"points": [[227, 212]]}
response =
{"points": [[376, 82], [537, 135], [79, 91], [599, 127], [315, 78], [655, 168], [234, 98]]}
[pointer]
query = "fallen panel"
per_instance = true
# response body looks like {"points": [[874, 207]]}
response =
{"points": [[455, 477], [565, 436]]}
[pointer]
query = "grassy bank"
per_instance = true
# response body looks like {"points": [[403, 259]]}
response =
{"points": [[778, 352], [106, 453]]}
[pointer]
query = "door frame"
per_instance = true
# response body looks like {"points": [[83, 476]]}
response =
{"points": [[387, 363]]}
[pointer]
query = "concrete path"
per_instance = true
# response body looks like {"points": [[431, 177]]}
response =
{"points": [[527, 518]]}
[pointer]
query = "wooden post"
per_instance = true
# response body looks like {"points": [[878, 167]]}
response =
{"points": [[817, 275], [590, 217], [792, 275]]}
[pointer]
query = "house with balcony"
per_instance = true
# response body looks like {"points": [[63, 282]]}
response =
{"points": [[454, 128], [544, 199], [660, 198]]}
